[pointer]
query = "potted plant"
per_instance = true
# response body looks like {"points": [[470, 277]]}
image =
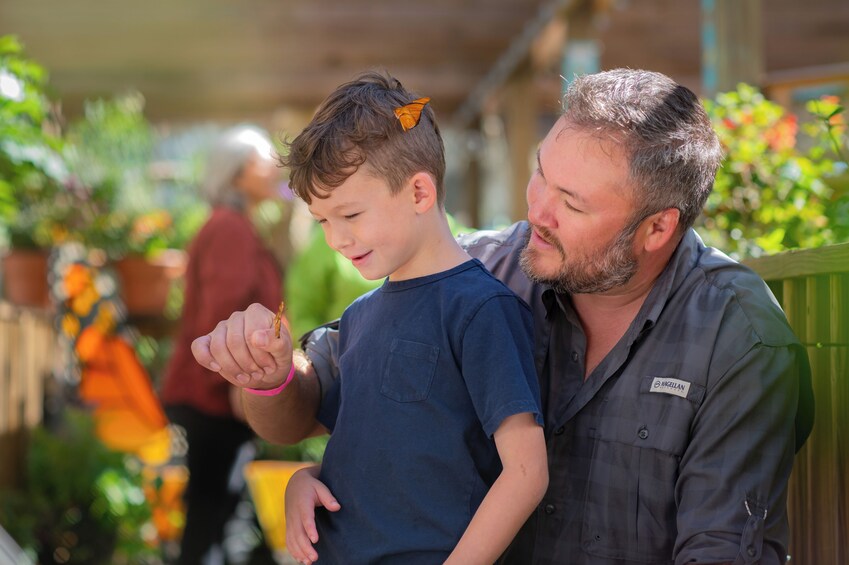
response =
{"points": [[32, 173]]}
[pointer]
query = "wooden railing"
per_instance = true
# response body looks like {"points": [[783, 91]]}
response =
{"points": [[28, 352], [813, 288]]}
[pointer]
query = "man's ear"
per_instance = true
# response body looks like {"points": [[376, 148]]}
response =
{"points": [[424, 191], [660, 228]]}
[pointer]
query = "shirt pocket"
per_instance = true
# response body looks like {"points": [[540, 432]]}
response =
{"points": [[409, 371], [630, 511]]}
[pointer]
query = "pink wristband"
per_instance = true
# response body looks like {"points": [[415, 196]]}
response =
{"points": [[273, 391]]}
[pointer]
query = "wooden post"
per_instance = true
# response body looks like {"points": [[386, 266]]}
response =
{"points": [[473, 178], [732, 44], [838, 303], [521, 118], [821, 440]]}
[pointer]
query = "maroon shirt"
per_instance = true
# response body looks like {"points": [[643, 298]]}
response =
{"points": [[229, 268]]}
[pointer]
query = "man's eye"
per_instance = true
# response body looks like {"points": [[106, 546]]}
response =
{"points": [[570, 207]]}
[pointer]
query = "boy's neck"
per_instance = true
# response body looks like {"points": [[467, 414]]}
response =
{"points": [[437, 251]]}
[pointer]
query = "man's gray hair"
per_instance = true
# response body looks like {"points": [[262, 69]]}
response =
{"points": [[228, 156], [673, 152]]}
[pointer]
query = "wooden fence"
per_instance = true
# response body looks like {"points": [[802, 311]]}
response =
{"points": [[813, 288], [28, 351]]}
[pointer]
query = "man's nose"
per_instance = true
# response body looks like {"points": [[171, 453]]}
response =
{"points": [[540, 204]]}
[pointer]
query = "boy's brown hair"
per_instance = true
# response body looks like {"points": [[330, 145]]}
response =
{"points": [[355, 126]]}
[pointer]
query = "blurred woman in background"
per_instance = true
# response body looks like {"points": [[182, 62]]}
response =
{"points": [[229, 268]]}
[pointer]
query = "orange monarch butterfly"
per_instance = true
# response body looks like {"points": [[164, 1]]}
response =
{"points": [[410, 114], [278, 318]]}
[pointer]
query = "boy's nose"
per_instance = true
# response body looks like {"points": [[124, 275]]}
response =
{"points": [[338, 239]]}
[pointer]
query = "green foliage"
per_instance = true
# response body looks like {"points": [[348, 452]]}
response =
{"points": [[31, 167], [81, 502], [772, 192], [90, 184], [829, 128]]}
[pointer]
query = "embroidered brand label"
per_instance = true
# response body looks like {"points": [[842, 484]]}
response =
{"points": [[670, 386]]}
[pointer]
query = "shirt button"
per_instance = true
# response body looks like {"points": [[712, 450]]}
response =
{"points": [[575, 356], [643, 433], [549, 509], [751, 551], [559, 431]]}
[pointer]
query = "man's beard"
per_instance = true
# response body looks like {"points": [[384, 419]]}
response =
{"points": [[610, 267]]}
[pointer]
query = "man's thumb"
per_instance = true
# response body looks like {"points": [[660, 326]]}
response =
{"points": [[262, 338]]}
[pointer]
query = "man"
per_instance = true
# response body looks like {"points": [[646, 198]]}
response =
{"points": [[675, 394]]}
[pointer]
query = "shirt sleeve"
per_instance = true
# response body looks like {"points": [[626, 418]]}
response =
{"points": [[497, 362], [731, 491]]}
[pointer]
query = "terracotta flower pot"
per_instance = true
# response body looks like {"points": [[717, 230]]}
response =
{"points": [[24, 274], [145, 282]]}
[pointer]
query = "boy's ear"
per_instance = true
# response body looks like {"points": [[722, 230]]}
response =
{"points": [[424, 191]]}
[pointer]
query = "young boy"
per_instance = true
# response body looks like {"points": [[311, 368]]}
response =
{"points": [[437, 452]]}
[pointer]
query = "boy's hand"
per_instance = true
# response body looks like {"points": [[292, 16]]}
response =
{"points": [[303, 494], [244, 350]]}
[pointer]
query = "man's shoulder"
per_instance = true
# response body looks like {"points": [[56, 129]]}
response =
{"points": [[499, 251], [489, 245], [748, 299]]}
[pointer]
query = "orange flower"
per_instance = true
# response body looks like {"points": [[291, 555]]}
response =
{"points": [[77, 279], [782, 135]]}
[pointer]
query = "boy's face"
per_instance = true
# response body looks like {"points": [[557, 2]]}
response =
{"points": [[372, 228]]}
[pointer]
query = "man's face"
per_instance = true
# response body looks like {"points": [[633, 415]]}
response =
{"points": [[580, 207]]}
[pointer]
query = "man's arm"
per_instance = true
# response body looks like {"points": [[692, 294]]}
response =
{"points": [[731, 491], [244, 350], [288, 417]]}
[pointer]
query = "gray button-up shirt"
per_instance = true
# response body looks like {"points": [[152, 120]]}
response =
{"points": [[678, 447]]}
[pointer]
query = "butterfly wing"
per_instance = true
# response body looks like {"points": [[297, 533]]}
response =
{"points": [[410, 114]]}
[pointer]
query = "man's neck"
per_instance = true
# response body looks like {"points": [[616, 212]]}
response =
{"points": [[606, 317]]}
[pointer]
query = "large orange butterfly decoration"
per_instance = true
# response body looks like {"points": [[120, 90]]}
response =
{"points": [[410, 114]]}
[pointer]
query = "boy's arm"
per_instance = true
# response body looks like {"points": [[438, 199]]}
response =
{"points": [[304, 494], [513, 496]]}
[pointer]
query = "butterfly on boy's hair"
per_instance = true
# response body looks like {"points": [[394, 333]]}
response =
{"points": [[410, 114]]}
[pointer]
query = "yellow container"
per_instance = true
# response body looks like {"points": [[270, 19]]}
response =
{"points": [[267, 482]]}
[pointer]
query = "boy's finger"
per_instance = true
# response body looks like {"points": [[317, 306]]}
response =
{"points": [[326, 498], [310, 529]]}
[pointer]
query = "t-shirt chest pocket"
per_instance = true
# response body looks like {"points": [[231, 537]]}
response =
{"points": [[409, 371]]}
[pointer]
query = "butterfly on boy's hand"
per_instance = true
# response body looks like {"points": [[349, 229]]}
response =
{"points": [[410, 114]]}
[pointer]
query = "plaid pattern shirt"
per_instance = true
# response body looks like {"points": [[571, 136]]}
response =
{"points": [[678, 446]]}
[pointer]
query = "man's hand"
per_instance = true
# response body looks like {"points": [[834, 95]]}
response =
{"points": [[244, 350], [303, 494]]}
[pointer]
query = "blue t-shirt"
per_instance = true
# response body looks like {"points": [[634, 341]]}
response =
{"points": [[429, 368]]}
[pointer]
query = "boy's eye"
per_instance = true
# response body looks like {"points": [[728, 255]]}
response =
{"points": [[352, 216], [320, 220]]}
